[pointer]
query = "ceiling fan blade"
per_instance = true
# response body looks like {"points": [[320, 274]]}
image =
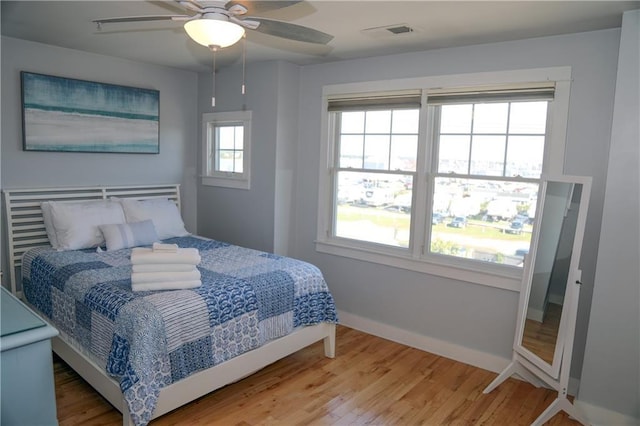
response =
{"points": [[191, 5], [261, 6], [291, 31], [247, 23], [143, 18]]}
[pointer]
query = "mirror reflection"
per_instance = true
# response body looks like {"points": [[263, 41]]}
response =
{"points": [[551, 269]]}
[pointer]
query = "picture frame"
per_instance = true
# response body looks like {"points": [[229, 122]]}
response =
{"points": [[70, 115]]}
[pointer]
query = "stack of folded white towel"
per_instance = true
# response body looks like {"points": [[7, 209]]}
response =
{"points": [[164, 267]]}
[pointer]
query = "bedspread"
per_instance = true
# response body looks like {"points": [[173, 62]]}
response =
{"points": [[148, 340]]}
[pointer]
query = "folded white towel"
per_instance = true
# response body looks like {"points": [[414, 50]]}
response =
{"points": [[171, 248], [175, 285], [163, 267], [143, 255], [163, 277]]}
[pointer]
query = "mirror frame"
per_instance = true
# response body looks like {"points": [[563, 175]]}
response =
{"points": [[566, 328]]}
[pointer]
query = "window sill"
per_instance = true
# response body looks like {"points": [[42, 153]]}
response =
{"points": [[226, 182], [506, 280]]}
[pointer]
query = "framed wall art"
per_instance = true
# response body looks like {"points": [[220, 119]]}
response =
{"points": [[65, 114]]}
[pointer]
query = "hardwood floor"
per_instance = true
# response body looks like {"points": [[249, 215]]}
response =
{"points": [[371, 381], [540, 337]]}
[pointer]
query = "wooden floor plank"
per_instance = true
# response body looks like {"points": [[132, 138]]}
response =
{"points": [[371, 381]]}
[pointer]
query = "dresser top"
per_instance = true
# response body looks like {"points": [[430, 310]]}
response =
{"points": [[18, 324]]}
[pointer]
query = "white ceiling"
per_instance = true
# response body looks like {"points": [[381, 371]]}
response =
{"points": [[437, 24]]}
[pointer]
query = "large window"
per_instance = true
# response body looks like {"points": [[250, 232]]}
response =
{"points": [[441, 177], [226, 149]]}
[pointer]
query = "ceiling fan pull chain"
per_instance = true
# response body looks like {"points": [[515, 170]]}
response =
{"points": [[214, 49], [244, 60]]}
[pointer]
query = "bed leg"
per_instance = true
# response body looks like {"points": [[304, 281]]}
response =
{"points": [[330, 343], [126, 415]]}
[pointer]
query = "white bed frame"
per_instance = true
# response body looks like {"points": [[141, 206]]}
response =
{"points": [[25, 230]]}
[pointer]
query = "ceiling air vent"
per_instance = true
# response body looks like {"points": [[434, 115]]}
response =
{"points": [[389, 30], [400, 30]]}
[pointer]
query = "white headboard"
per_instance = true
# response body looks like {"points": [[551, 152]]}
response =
{"points": [[25, 226]]}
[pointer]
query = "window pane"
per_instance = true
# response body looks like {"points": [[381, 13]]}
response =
{"points": [[490, 118], [455, 119], [376, 152], [453, 154], [524, 156], [239, 137], [226, 137], [405, 121], [487, 155], [225, 161], [351, 151], [373, 207], [378, 122], [528, 117], [403, 152], [483, 219], [352, 122], [238, 162]]}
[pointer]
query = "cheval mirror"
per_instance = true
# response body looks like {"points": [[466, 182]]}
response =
{"points": [[545, 327]]}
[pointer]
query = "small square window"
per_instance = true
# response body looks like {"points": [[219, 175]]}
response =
{"points": [[226, 149]]}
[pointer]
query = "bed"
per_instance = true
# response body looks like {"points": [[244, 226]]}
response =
{"points": [[149, 352]]}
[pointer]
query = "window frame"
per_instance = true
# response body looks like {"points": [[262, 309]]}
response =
{"points": [[415, 257], [211, 177]]}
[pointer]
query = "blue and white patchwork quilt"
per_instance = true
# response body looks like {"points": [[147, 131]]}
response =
{"points": [[148, 340]]}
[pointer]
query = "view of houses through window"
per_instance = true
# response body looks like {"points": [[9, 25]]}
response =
{"points": [[482, 161]]}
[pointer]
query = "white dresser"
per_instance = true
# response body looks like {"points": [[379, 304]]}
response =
{"points": [[26, 365]]}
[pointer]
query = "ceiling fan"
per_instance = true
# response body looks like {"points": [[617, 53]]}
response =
{"points": [[219, 24]]}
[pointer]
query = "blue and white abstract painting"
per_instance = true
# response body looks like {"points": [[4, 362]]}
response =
{"points": [[63, 114]]}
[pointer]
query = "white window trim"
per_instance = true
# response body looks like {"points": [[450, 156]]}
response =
{"points": [[227, 179], [472, 272]]}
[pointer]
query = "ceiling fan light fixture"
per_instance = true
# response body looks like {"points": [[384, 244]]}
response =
{"points": [[214, 32]]}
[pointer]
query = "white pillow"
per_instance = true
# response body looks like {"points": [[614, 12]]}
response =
{"points": [[125, 235], [48, 224], [163, 212], [77, 224]]}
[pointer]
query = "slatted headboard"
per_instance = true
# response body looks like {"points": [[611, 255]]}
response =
{"points": [[25, 226]]}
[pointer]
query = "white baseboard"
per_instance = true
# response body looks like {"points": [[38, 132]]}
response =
{"points": [[599, 416], [435, 346]]}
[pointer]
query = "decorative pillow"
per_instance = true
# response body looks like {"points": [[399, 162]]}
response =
{"points": [[163, 212], [125, 235], [77, 224], [48, 224]]}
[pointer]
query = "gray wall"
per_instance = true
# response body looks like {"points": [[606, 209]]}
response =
{"points": [[259, 217], [611, 373], [178, 125], [286, 140]]}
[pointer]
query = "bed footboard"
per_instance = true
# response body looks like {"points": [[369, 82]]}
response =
{"points": [[206, 381]]}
